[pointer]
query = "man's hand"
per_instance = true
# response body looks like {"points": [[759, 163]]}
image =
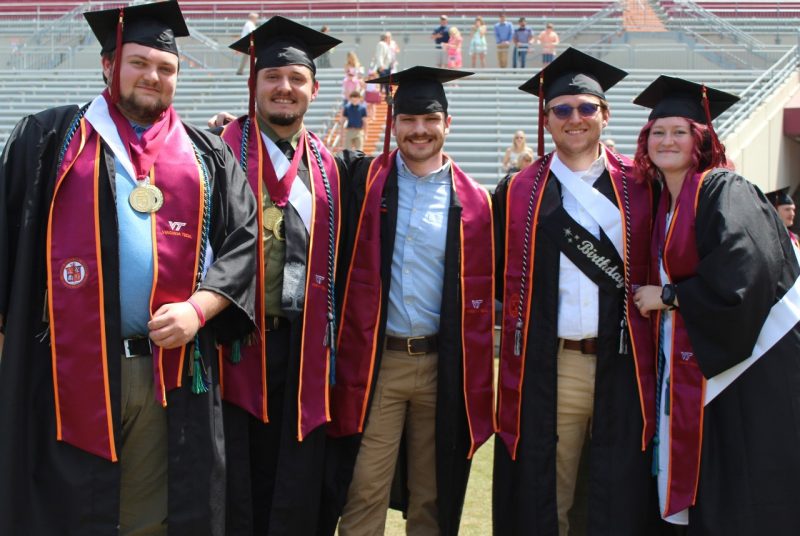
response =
{"points": [[220, 120], [173, 325]]}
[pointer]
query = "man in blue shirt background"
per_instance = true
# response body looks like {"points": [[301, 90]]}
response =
{"points": [[523, 37], [441, 35], [503, 31], [354, 113]]}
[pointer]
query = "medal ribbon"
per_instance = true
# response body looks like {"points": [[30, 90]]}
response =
{"points": [[686, 383], [279, 189], [143, 151]]}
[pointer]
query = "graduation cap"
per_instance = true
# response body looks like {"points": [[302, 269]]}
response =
{"points": [[571, 73], [280, 42], [675, 97], [152, 25], [419, 91], [780, 197]]}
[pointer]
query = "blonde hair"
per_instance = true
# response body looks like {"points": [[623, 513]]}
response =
{"points": [[352, 60], [454, 32]]}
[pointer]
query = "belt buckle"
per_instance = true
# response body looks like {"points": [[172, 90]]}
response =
{"points": [[408, 345], [129, 353]]}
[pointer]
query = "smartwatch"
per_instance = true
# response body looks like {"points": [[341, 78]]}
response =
{"points": [[668, 296]]}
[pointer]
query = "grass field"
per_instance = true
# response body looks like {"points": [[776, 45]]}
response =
{"points": [[477, 517]]}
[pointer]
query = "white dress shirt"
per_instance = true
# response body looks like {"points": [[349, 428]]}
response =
{"points": [[578, 300]]}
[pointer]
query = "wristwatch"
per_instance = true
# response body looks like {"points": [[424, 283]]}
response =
{"points": [[668, 296]]}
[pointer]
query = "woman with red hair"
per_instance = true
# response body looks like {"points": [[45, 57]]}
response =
{"points": [[723, 304]]}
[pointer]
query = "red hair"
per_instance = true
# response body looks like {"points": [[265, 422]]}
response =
{"points": [[703, 157]]}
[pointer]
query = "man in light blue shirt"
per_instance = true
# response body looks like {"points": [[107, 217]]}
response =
{"points": [[503, 32], [426, 211]]}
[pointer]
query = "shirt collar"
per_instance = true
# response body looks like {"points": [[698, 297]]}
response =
{"points": [[266, 129], [589, 175], [440, 176]]}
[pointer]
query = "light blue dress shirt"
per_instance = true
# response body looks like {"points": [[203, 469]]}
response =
{"points": [[135, 256], [415, 293]]}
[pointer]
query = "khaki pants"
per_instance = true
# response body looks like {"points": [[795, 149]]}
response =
{"points": [[143, 457], [576, 374], [405, 397], [502, 55], [354, 138]]}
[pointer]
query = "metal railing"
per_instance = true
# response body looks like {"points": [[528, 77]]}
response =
{"points": [[754, 95], [613, 10]]}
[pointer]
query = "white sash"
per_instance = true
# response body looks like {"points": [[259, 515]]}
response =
{"points": [[99, 117], [782, 317], [599, 207], [299, 195]]}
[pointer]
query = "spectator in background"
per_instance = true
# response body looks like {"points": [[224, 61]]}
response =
{"points": [[440, 36], [477, 44], [383, 57], [524, 160], [503, 32], [395, 48], [611, 144], [324, 61], [523, 37], [454, 59], [548, 39], [353, 116], [517, 148], [785, 208], [249, 26], [353, 77], [372, 93]]}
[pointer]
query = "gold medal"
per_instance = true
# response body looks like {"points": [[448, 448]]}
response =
{"points": [[277, 231], [146, 198], [271, 216]]}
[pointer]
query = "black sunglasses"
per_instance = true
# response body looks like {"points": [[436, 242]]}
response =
{"points": [[585, 109]]}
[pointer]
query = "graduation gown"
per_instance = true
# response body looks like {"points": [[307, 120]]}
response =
{"points": [[621, 490], [50, 487], [750, 457], [452, 428], [275, 480]]}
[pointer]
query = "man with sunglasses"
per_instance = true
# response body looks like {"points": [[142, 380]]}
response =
{"points": [[575, 356]]}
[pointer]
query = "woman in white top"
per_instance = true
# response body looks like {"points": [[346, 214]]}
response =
{"points": [[518, 147]]}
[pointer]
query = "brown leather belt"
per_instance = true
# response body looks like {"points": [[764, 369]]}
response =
{"points": [[412, 345], [584, 346]]}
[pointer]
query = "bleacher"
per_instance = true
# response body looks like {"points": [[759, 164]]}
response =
{"points": [[486, 109]]}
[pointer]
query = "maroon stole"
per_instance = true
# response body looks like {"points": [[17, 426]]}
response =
{"points": [[687, 384], [512, 367], [244, 383], [363, 298], [76, 284]]}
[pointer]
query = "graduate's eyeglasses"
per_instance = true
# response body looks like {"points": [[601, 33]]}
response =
{"points": [[585, 109]]}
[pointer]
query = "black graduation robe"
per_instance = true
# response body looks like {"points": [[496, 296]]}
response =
{"points": [[750, 461], [621, 490], [274, 480], [52, 488], [452, 429]]}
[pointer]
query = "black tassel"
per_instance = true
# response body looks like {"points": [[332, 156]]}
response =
{"points": [[623, 337]]}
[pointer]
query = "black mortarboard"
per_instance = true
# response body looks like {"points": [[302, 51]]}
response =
{"points": [[571, 73], [419, 89], [780, 197], [152, 25], [675, 97], [280, 41], [574, 73]]}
